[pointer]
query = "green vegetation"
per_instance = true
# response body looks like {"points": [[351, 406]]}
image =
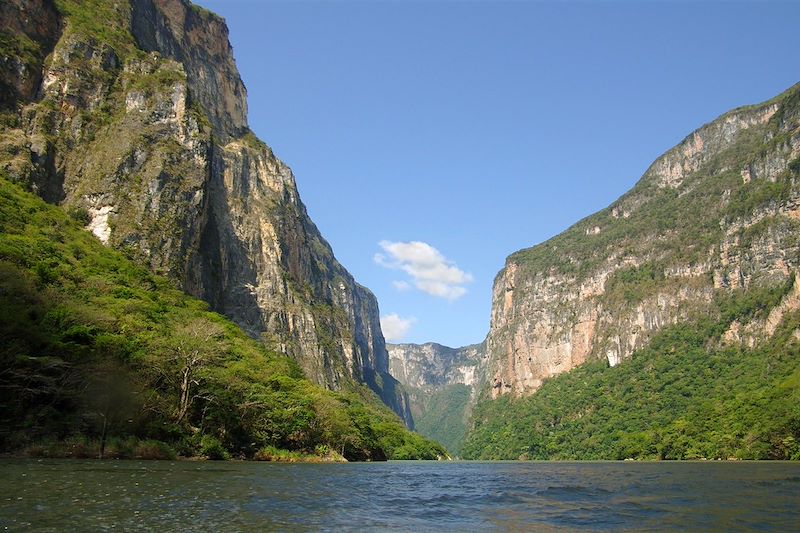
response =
{"points": [[160, 81], [99, 357], [104, 22], [321, 454], [81, 447], [685, 396], [690, 393], [443, 415], [21, 47], [16, 51], [631, 285], [671, 226], [205, 13]]}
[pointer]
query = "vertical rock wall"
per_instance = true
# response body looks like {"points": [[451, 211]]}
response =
{"points": [[147, 133], [717, 213]]}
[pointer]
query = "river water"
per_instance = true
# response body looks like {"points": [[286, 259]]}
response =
{"points": [[72, 495]]}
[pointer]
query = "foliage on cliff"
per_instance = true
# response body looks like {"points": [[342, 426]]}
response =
{"points": [[95, 349], [671, 285], [677, 225], [687, 395], [443, 414], [136, 112]]}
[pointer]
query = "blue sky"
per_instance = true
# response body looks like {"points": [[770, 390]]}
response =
{"points": [[431, 139]]}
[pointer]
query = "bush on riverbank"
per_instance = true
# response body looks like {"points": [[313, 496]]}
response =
{"points": [[322, 454], [212, 448], [81, 447]]}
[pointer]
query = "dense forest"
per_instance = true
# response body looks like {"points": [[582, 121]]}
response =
{"points": [[100, 357], [444, 415]]}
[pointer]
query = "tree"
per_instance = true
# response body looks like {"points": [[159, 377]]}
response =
{"points": [[188, 349], [110, 399]]}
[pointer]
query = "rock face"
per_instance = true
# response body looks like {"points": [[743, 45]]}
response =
{"points": [[434, 365], [198, 40], [30, 29], [135, 113], [442, 384], [720, 212]]}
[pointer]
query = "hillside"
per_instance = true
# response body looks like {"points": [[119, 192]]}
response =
{"points": [[94, 348], [687, 395], [668, 318], [135, 113]]}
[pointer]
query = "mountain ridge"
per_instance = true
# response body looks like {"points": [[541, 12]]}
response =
{"points": [[694, 264], [577, 263]]}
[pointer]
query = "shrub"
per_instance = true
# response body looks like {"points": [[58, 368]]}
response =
{"points": [[154, 449], [213, 449], [80, 215], [271, 453]]}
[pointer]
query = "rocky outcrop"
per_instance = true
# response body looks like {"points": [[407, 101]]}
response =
{"points": [[140, 123], [29, 29], [198, 40], [716, 214]]}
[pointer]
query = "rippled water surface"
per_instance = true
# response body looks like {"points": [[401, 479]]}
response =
{"points": [[64, 495]]}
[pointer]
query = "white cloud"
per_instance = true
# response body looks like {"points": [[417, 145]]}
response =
{"points": [[429, 270], [401, 286], [442, 290], [395, 327]]}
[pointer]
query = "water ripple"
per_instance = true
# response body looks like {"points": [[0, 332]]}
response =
{"points": [[144, 496]]}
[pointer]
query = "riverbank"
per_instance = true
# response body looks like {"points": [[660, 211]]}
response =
{"points": [[131, 448]]}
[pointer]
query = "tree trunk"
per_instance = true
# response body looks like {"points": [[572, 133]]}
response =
{"points": [[103, 434], [184, 401]]}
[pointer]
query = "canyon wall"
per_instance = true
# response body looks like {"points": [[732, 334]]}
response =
{"points": [[443, 384], [718, 213], [134, 116]]}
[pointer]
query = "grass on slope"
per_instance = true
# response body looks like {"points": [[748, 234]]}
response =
{"points": [[105, 22], [98, 354], [683, 397]]}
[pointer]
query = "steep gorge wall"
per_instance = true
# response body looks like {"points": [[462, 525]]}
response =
{"points": [[137, 115], [718, 213]]}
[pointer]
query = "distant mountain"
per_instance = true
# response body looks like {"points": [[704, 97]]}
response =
{"points": [[442, 384], [693, 275]]}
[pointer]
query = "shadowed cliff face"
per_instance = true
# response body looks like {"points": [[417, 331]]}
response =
{"points": [[29, 29], [140, 120], [198, 40], [718, 213]]}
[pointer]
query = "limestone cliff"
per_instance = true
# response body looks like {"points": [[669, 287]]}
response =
{"points": [[134, 113], [432, 364], [720, 212], [443, 385]]}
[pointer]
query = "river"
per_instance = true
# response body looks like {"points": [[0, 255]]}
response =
{"points": [[72, 495]]}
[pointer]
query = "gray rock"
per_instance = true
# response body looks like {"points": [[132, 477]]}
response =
{"points": [[150, 135]]}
